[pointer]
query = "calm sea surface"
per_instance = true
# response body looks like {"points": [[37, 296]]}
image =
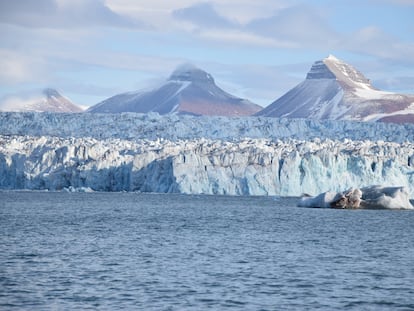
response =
{"points": [[112, 251]]}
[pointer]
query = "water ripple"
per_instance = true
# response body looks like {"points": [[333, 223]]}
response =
{"points": [[173, 252]]}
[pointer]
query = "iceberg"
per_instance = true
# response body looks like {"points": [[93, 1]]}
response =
{"points": [[81, 189], [371, 197]]}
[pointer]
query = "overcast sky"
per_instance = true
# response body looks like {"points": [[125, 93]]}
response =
{"points": [[93, 49]]}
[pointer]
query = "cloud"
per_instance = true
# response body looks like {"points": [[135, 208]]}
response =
{"points": [[20, 68], [388, 74], [398, 2], [260, 83], [374, 41], [402, 84], [203, 15], [236, 37], [284, 26], [160, 13], [303, 25], [20, 101], [67, 42], [61, 14], [244, 11]]}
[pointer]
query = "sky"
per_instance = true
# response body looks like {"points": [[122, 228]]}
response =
{"points": [[90, 50]]}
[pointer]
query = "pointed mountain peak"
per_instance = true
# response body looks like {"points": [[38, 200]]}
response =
{"points": [[336, 69], [50, 92], [346, 73], [320, 70], [189, 72], [331, 58], [336, 90], [189, 90], [39, 100]]}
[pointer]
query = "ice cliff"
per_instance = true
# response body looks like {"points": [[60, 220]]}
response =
{"points": [[249, 166]]}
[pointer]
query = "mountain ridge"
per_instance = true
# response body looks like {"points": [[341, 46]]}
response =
{"points": [[188, 90], [336, 90]]}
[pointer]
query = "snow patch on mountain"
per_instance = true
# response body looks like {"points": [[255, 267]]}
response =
{"points": [[346, 73]]}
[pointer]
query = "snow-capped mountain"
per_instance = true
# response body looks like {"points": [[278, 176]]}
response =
{"points": [[189, 90], [336, 90], [47, 100]]}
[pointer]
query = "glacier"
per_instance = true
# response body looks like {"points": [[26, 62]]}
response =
{"points": [[174, 127], [201, 155]]}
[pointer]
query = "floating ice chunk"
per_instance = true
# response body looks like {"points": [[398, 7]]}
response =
{"points": [[372, 197], [321, 200], [347, 199], [377, 197], [77, 189]]}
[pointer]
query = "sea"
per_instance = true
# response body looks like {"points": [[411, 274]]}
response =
{"points": [[140, 251]]}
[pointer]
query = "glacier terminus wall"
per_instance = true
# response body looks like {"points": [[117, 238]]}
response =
{"points": [[246, 166]]}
